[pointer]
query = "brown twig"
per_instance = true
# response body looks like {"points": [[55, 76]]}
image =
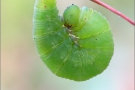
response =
{"points": [[114, 11]]}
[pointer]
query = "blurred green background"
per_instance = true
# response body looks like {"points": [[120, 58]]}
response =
{"points": [[22, 69]]}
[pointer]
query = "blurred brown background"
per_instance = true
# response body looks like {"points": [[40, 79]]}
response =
{"points": [[22, 69]]}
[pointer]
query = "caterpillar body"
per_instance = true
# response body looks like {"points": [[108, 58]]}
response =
{"points": [[77, 46]]}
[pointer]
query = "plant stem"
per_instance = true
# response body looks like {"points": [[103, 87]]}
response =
{"points": [[114, 11]]}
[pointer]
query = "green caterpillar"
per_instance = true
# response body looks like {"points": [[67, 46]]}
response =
{"points": [[77, 46]]}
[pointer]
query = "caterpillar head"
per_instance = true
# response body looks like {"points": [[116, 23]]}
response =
{"points": [[71, 16]]}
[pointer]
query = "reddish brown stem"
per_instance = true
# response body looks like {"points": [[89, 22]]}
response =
{"points": [[114, 11]]}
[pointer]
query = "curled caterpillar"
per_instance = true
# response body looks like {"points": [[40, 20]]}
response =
{"points": [[77, 46]]}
